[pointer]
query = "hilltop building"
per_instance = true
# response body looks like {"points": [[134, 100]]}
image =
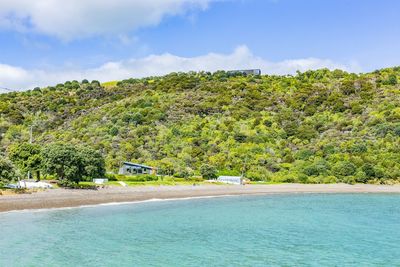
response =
{"points": [[129, 168], [247, 72]]}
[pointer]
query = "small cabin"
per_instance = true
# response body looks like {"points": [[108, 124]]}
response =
{"points": [[129, 168], [238, 180]]}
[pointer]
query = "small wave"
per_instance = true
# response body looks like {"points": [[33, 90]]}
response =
{"points": [[115, 204]]}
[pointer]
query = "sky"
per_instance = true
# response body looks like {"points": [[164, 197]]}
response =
{"points": [[45, 42]]}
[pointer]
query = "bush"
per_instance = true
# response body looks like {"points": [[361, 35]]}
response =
{"points": [[196, 179], [184, 173], [304, 154], [208, 171], [7, 170], [368, 170], [111, 177], [285, 178], [361, 177], [141, 178], [349, 180], [258, 174], [72, 185], [302, 178], [330, 180], [316, 168], [315, 180], [344, 168], [113, 131]]}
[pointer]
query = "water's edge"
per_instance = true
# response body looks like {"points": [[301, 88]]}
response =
{"points": [[183, 198]]}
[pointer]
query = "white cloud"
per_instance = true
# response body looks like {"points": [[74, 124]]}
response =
{"points": [[72, 19], [240, 58]]}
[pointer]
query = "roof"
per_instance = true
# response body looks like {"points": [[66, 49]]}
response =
{"points": [[137, 165], [258, 71]]}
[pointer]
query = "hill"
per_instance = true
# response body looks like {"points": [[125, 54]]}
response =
{"points": [[317, 126]]}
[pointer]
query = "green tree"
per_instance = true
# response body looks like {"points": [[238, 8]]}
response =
{"points": [[72, 163], [27, 157], [7, 170], [344, 168], [113, 131], [93, 163], [208, 171], [64, 161]]}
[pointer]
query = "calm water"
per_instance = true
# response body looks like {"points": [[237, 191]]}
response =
{"points": [[281, 230]]}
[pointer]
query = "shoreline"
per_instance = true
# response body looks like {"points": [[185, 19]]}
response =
{"points": [[67, 198]]}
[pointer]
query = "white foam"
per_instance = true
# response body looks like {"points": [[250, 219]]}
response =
{"points": [[115, 204]]}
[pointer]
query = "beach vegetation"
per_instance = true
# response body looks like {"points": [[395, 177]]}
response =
{"points": [[208, 171], [8, 171], [70, 163], [27, 157]]}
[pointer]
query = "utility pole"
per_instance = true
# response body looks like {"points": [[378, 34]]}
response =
{"points": [[244, 165], [30, 134], [31, 137], [30, 142]]}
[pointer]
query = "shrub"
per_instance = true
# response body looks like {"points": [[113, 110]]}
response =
{"points": [[208, 171], [72, 185], [368, 170], [349, 180], [344, 168], [111, 177], [304, 154], [184, 172], [7, 170], [258, 174], [141, 178], [113, 131], [330, 180], [306, 132], [317, 168], [361, 177]]}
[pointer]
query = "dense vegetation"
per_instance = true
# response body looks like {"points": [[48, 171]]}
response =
{"points": [[68, 163], [315, 127]]}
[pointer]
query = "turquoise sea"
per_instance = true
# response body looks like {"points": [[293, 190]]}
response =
{"points": [[274, 230]]}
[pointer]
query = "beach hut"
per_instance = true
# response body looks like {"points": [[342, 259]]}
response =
{"points": [[238, 180]]}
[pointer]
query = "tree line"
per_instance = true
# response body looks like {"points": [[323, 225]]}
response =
{"points": [[65, 162], [313, 127]]}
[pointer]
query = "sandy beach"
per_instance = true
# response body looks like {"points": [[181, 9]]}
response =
{"points": [[59, 198]]}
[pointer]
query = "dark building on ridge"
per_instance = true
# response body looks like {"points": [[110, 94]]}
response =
{"points": [[247, 72]]}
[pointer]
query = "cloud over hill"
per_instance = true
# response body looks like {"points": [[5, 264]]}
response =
{"points": [[240, 58]]}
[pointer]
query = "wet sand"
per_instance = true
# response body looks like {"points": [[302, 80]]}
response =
{"points": [[59, 198]]}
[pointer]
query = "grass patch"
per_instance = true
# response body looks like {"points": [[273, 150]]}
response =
{"points": [[265, 182], [109, 84]]}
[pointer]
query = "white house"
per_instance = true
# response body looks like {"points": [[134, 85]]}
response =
{"points": [[230, 179]]}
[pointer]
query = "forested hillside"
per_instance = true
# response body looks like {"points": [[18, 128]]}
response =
{"points": [[317, 126]]}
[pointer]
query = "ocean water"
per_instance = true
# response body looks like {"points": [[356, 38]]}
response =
{"points": [[275, 230]]}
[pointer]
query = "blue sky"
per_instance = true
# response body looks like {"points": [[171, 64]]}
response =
{"points": [[48, 41]]}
